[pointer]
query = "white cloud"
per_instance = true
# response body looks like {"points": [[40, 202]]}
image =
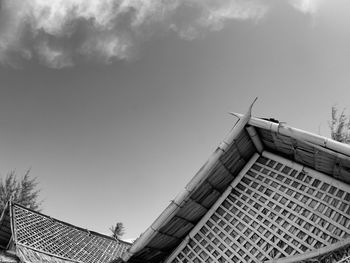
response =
{"points": [[195, 17], [60, 32], [54, 57], [106, 47], [306, 6]]}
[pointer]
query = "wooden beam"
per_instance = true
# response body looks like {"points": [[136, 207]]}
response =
{"points": [[312, 254], [254, 136]]}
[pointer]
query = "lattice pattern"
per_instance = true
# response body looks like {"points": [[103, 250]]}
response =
{"points": [[48, 235], [274, 211]]}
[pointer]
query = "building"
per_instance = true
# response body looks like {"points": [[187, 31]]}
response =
{"points": [[269, 193], [30, 237]]}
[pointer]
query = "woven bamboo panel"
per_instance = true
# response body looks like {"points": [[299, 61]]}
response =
{"points": [[45, 234], [319, 158], [274, 211]]}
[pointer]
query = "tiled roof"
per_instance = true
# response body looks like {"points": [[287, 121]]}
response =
{"points": [[42, 236]]}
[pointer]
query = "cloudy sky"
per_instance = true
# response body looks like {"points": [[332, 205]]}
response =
{"points": [[114, 105]]}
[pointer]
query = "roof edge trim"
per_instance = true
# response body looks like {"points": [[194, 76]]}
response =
{"points": [[13, 222], [170, 211], [300, 134]]}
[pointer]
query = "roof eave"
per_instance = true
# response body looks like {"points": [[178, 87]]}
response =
{"points": [[196, 181], [299, 134]]}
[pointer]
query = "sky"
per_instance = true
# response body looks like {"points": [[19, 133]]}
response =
{"points": [[114, 105]]}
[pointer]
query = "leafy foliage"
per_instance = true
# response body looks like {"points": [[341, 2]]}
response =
{"points": [[340, 126], [117, 230], [22, 191]]}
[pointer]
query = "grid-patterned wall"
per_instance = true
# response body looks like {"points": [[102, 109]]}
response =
{"points": [[274, 211], [42, 233]]}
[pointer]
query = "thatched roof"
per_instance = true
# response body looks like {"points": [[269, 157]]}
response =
{"points": [[40, 238], [250, 135]]}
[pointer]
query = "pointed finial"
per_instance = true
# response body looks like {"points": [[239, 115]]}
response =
{"points": [[248, 113]]}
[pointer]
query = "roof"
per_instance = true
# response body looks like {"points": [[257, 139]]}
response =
{"points": [[249, 135], [5, 227], [40, 238]]}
